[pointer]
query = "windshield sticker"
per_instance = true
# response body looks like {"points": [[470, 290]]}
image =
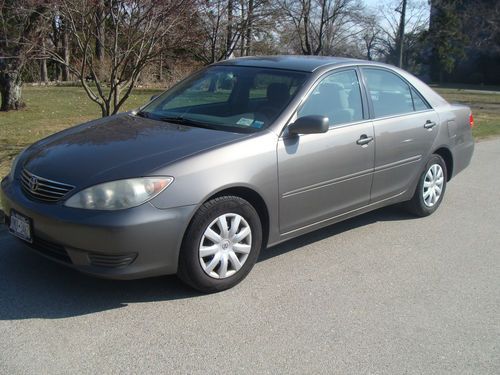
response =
{"points": [[245, 121], [257, 124]]}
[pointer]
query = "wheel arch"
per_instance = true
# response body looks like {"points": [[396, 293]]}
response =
{"points": [[255, 199], [250, 195], [447, 156]]}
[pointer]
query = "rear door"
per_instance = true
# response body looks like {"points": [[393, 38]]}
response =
{"points": [[405, 127]]}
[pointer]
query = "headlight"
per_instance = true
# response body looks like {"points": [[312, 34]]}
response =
{"points": [[121, 194], [13, 166]]}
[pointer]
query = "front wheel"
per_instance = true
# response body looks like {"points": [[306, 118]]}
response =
{"points": [[221, 244], [430, 189]]}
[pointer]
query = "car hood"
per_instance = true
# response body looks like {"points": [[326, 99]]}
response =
{"points": [[117, 147]]}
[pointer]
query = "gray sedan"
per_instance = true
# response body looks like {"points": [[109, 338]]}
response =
{"points": [[242, 155]]}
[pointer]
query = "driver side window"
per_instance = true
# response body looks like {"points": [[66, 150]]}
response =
{"points": [[337, 97]]}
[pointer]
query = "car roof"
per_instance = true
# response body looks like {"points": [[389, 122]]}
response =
{"points": [[290, 62]]}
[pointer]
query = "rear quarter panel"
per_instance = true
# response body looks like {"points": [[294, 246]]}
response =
{"points": [[456, 135]]}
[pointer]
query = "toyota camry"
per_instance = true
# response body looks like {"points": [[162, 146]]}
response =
{"points": [[240, 156]]}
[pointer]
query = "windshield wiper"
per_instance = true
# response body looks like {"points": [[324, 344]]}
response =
{"points": [[143, 114], [175, 120], [185, 121]]}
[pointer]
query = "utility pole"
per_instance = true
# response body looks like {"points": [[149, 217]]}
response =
{"points": [[401, 33]]}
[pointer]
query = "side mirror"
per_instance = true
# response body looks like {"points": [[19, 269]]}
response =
{"points": [[153, 97], [309, 125]]}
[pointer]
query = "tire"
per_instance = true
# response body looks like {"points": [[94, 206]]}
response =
{"points": [[212, 262], [422, 203]]}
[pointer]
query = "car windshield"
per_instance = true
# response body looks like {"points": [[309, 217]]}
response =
{"points": [[232, 98]]}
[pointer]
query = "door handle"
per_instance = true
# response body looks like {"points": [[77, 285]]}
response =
{"points": [[364, 140], [429, 124]]}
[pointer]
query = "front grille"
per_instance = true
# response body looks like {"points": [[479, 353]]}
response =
{"points": [[43, 189], [111, 261], [50, 249]]}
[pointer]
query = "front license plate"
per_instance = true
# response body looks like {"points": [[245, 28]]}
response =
{"points": [[20, 226]]}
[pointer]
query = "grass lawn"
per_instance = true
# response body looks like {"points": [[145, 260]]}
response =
{"points": [[50, 109], [485, 108]]}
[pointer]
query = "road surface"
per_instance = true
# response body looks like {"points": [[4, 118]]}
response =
{"points": [[384, 293]]}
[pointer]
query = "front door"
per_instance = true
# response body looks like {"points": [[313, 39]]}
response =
{"points": [[324, 175]]}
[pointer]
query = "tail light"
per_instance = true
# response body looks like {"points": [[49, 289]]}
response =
{"points": [[471, 120]]}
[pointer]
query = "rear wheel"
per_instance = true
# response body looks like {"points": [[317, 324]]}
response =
{"points": [[430, 189], [221, 244]]}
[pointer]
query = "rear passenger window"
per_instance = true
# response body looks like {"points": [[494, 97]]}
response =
{"points": [[418, 102], [391, 95], [337, 97]]}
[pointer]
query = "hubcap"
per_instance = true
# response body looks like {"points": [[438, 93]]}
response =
{"points": [[433, 185], [225, 246]]}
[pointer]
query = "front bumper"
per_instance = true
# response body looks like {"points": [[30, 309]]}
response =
{"points": [[138, 242]]}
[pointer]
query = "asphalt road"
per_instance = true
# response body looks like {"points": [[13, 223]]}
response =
{"points": [[384, 293]]}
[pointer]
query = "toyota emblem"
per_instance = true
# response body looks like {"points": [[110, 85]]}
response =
{"points": [[33, 183]]}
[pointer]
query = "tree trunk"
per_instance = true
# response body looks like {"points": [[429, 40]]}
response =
{"points": [[43, 65], [160, 73], [57, 71], [243, 27], [10, 89], [116, 99], [308, 49], [56, 34], [248, 38], [229, 40], [100, 31], [44, 77], [242, 44], [99, 43], [65, 53]]}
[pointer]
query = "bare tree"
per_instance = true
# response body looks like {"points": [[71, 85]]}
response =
{"points": [[137, 32], [258, 26], [320, 23], [392, 23], [219, 25], [20, 21], [370, 36], [232, 28]]}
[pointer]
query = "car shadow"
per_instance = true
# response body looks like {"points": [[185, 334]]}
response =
{"points": [[390, 213], [34, 287]]}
